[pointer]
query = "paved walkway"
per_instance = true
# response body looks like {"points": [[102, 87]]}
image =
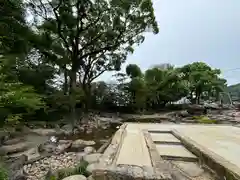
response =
{"points": [[221, 142]]}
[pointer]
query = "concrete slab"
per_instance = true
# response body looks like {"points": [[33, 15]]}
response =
{"points": [[164, 137], [177, 151], [218, 145], [219, 142], [134, 150]]}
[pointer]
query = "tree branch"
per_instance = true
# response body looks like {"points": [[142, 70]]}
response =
{"points": [[59, 22]]}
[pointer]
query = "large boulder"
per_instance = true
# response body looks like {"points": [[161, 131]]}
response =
{"points": [[92, 158], [45, 132], [15, 166], [80, 156], [67, 129], [212, 106], [32, 154], [81, 144], [15, 148], [47, 147], [91, 167], [183, 114], [76, 177], [196, 109], [13, 141], [63, 147], [89, 150]]}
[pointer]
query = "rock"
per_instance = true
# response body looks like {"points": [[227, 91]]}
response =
{"points": [[13, 141], [47, 147], [18, 175], [63, 147], [90, 178], [45, 132], [192, 169], [82, 144], [183, 114], [104, 146], [15, 165], [196, 109], [212, 106], [67, 129], [80, 156], [15, 148], [61, 141], [91, 168], [76, 177], [17, 162], [89, 150], [92, 158], [32, 154]]}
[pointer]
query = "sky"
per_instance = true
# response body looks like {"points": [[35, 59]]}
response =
{"points": [[193, 30]]}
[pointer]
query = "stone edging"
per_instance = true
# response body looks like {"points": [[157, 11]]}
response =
{"points": [[212, 160], [107, 159], [159, 166], [107, 169]]}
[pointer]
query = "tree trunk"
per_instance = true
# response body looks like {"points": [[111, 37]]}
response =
{"points": [[72, 94], [87, 96], [65, 86]]}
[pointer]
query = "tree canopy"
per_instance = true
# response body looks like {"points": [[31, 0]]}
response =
{"points": [[52, 52]]}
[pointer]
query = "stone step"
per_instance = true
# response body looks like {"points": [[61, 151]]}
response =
{"points": [[164, 138], [175, 152]]}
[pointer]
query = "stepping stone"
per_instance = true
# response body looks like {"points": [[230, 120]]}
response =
{"points": [[175, 152], [164, 138]]}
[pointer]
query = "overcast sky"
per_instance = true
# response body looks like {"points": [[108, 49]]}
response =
{"points": [[193, 30]]}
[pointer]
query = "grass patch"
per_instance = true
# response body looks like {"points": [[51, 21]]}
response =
{"points": [[81, 168], [204, 120]]}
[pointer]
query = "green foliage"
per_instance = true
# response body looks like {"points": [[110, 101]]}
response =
{"points": [[15, 97], [3, 173], [62, 173], [90, 37], [80, 40], [234, 91], [205, 120], [165, 85], [133, 71], [202, 79], [12, 27]]}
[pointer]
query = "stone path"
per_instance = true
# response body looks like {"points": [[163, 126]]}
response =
{"points": [[220, 143]]}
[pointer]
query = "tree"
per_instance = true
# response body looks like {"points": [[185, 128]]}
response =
{"points": [[92, 36], [164, 85], [136, 87], [133, 71], [13, 27], [16, 99], [202, 78]]}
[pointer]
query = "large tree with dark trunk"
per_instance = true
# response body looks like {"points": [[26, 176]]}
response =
{"points": [[91, 36]]}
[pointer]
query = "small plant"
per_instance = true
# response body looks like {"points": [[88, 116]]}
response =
{"points": [[62, 173], [3, 174]]}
